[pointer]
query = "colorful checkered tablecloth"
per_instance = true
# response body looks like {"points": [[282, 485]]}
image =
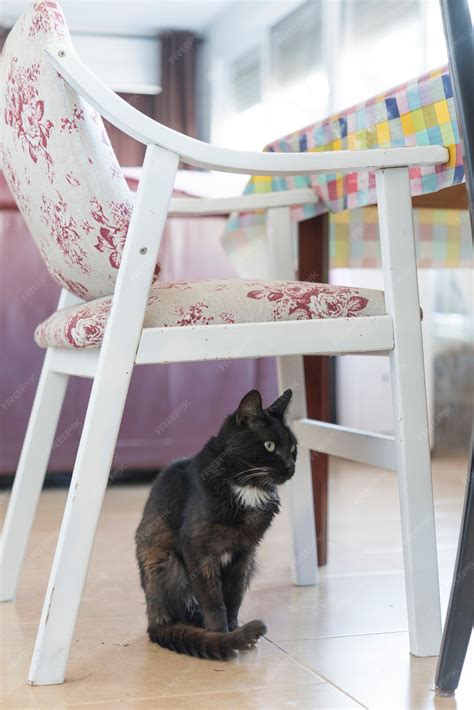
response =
{"points": [[419, 112]]}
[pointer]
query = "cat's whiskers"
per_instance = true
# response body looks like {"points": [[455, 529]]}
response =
{"points": [[253, 468], [251, 465], [250, 477], [257, 471]]}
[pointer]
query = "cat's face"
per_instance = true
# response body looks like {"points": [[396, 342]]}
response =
{"points": [[263, 445]]}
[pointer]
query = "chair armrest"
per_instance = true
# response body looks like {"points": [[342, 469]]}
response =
{"points": [[145, 130], [182, 206]]}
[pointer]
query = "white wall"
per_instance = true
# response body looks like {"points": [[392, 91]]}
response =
{"points": [[126, 63]]}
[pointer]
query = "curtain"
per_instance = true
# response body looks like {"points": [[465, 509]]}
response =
{"points": [[176, 105], [130, 152]]}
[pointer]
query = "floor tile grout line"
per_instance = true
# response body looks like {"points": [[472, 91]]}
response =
{"points": [[341, 636], [326, 680]]}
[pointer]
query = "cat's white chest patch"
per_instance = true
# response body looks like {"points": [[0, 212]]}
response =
{"points": [[251, 497], [226, 559]]}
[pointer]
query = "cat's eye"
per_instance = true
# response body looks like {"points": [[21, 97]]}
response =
{"points": [[270, 445], [293, 449]]}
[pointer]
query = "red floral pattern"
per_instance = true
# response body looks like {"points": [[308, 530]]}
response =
{"points": [[60, 165], [24, 112], [307, 301], [64, 230], [193, 314], [47, 17], [86, 328], [71, 124], [113, 230], [208, 303], [338, 304], [72, 179], [226, 317]]}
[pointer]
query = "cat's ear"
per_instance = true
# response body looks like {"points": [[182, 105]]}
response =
{"points": [[250, 406], [280, 405]]}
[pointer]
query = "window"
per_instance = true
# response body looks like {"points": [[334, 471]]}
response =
{"points": [[381, 46], [245, 81], [296, 44], [307, 60], [366, 17]]}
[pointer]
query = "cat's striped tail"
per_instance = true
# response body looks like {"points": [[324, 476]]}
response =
{"points": [[195, 641]]}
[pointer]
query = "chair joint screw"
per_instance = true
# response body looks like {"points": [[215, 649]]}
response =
{"points": [[61, 53], [143, 250]]}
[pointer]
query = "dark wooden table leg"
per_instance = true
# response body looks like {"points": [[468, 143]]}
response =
{"points": [[313, 265], [460, 616]]}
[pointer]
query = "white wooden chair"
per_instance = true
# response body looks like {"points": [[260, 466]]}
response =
{"points": [[70, 190]]}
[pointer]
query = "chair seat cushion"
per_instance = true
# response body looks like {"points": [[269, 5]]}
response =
{"points": [[191, 303]]}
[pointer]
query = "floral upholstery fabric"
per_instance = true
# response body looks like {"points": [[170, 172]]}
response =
{"points": [[58, 161], [189, 303]]}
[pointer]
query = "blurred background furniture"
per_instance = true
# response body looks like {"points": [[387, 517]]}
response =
{"points": [[459, 31]]}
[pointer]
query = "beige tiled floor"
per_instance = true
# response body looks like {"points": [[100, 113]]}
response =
{"points": [[340, 645]]}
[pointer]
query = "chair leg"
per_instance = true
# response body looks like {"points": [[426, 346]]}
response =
{"points": [[417, 511], [305, 563], [29, 477], [410, 412], [291, 375], [76, 537], [102, 423]]}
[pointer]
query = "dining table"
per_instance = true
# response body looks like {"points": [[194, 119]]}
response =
{"points": [[340, 229]]}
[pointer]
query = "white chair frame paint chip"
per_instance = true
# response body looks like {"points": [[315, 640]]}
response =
{"points": [[396, 334]]}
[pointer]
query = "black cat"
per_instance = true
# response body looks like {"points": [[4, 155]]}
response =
{"points": [[200, 528]]}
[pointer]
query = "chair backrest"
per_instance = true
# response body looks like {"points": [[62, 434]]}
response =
{"points": [[58, 161]]}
